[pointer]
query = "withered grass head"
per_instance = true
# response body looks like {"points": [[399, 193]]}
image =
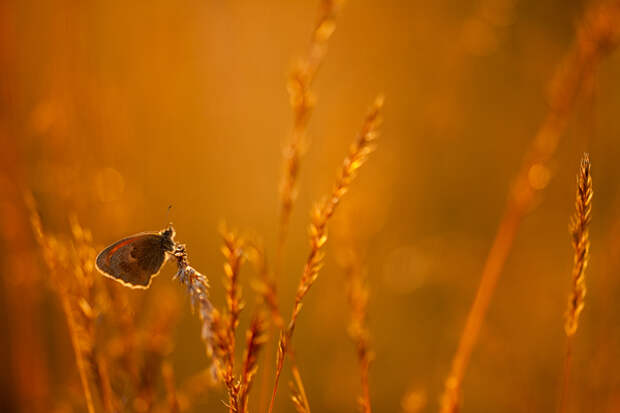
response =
{"points": [[580, 237]]}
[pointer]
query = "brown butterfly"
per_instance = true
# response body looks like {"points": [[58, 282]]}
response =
{"points": [[135, 260]]}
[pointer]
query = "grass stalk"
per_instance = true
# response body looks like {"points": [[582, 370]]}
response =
{"points": [[302, 101], [255, 339], [55, 255], [580, 237], [358, 293], [321, 213], [597, 35]]}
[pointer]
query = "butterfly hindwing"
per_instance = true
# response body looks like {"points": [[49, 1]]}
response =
{"points": [[133, 260]]}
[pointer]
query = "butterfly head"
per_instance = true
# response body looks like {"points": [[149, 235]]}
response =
{"points": [[167, 241]]}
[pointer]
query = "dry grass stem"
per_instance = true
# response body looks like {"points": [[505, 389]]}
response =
{"points": [[79, 357], [256, 338], [597, 35], [358, 327], [320, 216], [224, 358], [580, 239], [298, 392], [76, 296], [302, 102], [103, 379], [219, 328], [233, 252], [198, 289]]}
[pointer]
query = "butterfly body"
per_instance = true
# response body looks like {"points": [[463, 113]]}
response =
{"points": [[135, 260]]}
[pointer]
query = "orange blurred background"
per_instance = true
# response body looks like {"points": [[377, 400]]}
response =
{"points": [[114, 110]]}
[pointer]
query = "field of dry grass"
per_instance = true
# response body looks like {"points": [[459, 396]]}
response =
{"points": [[375, 206]]}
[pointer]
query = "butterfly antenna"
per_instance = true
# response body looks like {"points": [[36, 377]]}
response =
{"points": [[168, 215]]}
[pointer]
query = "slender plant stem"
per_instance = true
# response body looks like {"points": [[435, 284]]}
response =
{"points": [[596, 37], [79, 358], [563, 397]]}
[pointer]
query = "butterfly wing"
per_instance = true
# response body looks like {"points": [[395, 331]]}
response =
{"points": [[133, 261]]}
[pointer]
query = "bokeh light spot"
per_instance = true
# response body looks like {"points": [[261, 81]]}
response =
{"points": [[538, 176]]}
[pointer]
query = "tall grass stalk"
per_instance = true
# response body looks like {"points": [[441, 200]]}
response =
{"points": [[580, 238], [321, 213], [597, 35]]}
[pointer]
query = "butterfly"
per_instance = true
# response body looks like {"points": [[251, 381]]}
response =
{"points": [[135, 260]]}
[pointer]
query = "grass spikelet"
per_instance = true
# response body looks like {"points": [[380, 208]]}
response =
{"points": [[358, 329], [256, 338], [298, 392], [580, 239], [225, 358], [221, 346], [302, 102], [321, 213], [198, 289], [224, 324], [597, 35], [233, 252]]}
